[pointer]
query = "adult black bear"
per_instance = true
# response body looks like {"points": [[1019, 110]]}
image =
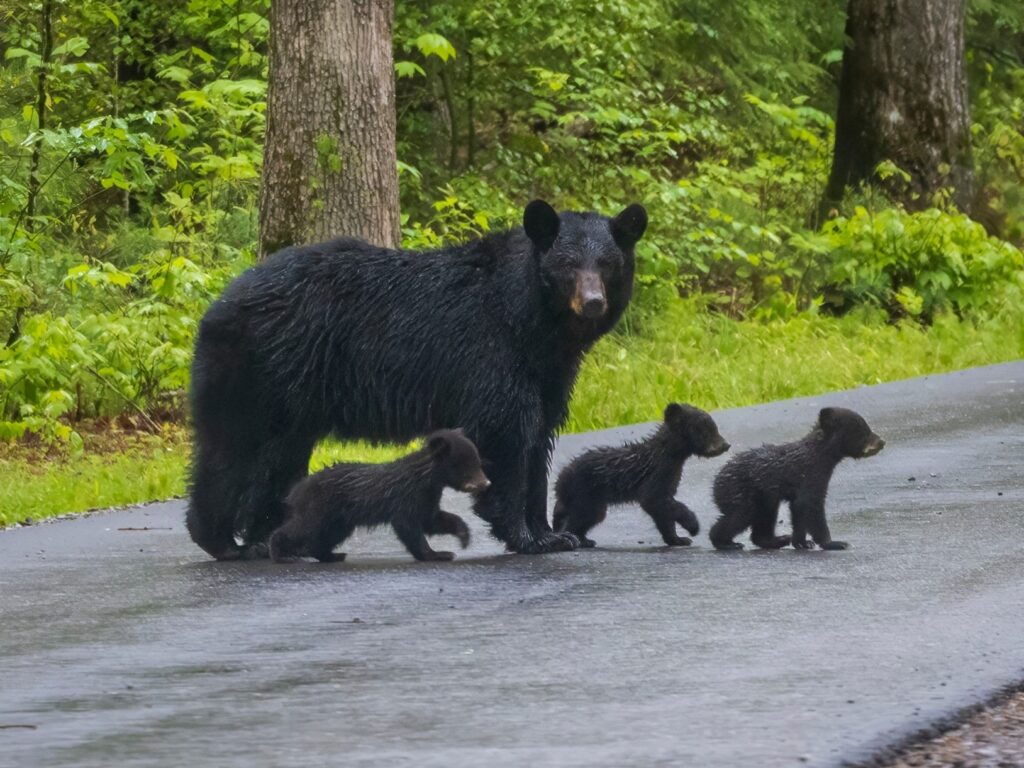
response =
{"points": [[647, 471], [325, 508], [750, 488], [364, 342]]}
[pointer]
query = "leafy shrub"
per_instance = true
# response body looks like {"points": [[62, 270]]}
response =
{"points": [[917, 264]]}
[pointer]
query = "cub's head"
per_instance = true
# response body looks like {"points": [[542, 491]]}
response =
{"points": [[586, 261], [694, 430], [456, 461], [850, 432]]}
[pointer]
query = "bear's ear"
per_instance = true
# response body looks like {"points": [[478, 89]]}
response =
{"points": [[629, 226], [673, 413], [439, 447], [828, 419], [541, 223]]}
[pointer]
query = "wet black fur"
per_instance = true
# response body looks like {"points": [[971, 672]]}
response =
{"points": [[363, 342], [751, 486], [647, 472], [325, 508]]}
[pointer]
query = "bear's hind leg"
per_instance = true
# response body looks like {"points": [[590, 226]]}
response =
{"points": [[584, 516], [736, 517], [278, 466], [213, 498]]}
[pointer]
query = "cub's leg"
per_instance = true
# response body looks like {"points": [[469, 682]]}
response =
{"points": [[411, 533], [798, 517], [762, 529], [322, 547], [811, 506], [579, 517], [666, 512], [448, 523], [737, 515]]}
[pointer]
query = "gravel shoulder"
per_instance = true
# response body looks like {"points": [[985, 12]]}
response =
{"points": [[990, 737]]}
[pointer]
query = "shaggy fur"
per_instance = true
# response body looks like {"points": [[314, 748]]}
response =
{"points": [[325, 508], [363, 342], [647, 472], [750, 488]]}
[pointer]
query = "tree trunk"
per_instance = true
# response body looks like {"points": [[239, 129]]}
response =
{"points": [[903, 97], [46, 49], [329, 162]]}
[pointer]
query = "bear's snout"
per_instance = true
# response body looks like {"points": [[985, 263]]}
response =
{"points": [[478, 484], [718, 447], [589, 300], [875, 444]]}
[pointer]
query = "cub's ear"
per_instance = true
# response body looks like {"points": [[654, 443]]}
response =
{"points": [[828, 419], [629, 226], [541, 223], [439, 447], [673, 412]]}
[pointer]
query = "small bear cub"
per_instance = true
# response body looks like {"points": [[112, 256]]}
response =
{"points": [[647, 472], [324, 508], [751, 486]]}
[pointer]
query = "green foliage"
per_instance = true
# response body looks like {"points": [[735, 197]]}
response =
{"points": [[919, 264], [691, 355], [129, 198]]}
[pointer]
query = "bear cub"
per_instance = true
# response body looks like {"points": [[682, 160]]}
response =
{"points": [[751, 486], [324, 508], [647, 472]]}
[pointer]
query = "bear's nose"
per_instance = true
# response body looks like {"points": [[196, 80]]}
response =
{"points": [[594, 307]]}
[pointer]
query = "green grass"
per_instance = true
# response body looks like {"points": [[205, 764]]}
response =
{"points": [[684, 354], [712, 361]]}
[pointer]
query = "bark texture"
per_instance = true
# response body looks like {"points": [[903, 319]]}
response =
{"points": [[329, 163], [903, 97]]}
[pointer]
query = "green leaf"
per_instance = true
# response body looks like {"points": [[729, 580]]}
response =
{"points": [[433, 44], [73, 46], [408, 69]]}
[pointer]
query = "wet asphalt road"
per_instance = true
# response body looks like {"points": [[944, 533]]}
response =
{"points": [[128, 647]]}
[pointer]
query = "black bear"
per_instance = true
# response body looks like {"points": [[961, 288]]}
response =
{"points": [[750, 488], [647, 471], [324, 508], [364, 342]]}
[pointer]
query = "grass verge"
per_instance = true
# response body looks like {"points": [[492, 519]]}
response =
{"points": [[683, 354]]}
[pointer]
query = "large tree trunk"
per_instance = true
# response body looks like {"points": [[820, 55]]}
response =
{"points": [[329, 163], [903, 97]]}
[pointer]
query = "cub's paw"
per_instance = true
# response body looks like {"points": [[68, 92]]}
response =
{"points": [[332, 557], [835, 545], [727, 546], [258, 551], [586, 543], [775, 542], [678, 541], [436, 556], [802, 544]]}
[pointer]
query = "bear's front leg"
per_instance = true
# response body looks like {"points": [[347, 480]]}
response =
{"points": [[666, 512], [537, 504], [411, 533], [504, 507], [448, 523]]}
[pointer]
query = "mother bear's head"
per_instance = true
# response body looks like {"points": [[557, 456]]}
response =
{"points": [[586, 261]]}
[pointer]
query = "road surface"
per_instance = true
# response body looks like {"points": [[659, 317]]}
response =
{"points": [[121, 646]]}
